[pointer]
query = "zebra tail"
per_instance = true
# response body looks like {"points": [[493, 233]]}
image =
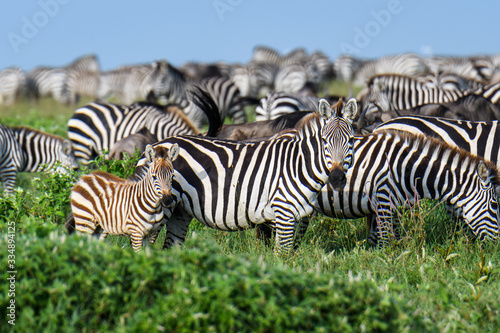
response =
{"points": [[202, 99], [70, 223]]}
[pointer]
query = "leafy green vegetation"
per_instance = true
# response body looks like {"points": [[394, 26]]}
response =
{"points": [[434, 279]]}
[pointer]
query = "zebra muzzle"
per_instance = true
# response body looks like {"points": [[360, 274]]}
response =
{"points": [[167, 200], [337, 178]]}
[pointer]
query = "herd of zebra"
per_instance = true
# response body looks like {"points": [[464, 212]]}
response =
{"points": [[419, 128]]}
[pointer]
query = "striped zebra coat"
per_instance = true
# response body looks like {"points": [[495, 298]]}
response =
{"points": [[386, 94], [12, 84], [230, 185], [96, 127], [23, 149], [393, 169], [481, 138], [104, 204]]}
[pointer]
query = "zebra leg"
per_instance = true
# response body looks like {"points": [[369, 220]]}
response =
{"points": [[372, 229], [8, 179], [136, 238], [285, 231], [301, 229], [153, 235], [177, 227]]}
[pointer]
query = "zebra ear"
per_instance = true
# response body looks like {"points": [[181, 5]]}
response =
{"points": [[482, 171], [351, 109], [324, 109], [67, 148], [150, 154], [173, 152]]}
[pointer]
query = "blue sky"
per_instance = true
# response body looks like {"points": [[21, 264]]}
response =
{"points": [[54, 32]]}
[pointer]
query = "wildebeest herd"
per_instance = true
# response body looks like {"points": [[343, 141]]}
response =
{"points": [[419, 128]]}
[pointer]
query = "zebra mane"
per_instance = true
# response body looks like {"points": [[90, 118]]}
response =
{"points": [[111, 177], [420, 141]]}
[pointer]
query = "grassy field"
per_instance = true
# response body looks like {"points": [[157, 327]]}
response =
{"points": [[435, 279]]}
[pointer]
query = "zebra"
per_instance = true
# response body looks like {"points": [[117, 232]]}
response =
{"points": [[88, 63], [479, 69], [267, 55], [12, 84], [80, 83], [235, 185], [386, 93], [121, 207], [408, 64], [227, 98], [480, 138], [296, 77], [23, 149], [176, 88], [278, 103], [45, 81], [255, 79], [392, 169], [131, 83], [96, 127]]}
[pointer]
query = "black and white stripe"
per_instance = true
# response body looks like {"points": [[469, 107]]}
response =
{"points": [[12, 84], [131, 83], [231, 185], [394, 169], [96, 127], [386, 93], [121, 207], [408, 64], [23, 149], [477, 137], [278, 103]]}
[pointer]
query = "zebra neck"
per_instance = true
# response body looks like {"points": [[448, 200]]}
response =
{"points": [[146, 193]]}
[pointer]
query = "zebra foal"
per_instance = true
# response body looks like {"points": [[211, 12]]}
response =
{"points": [[123, 207]]}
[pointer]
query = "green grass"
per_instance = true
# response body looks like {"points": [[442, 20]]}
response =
{"points": [[434, 279]]}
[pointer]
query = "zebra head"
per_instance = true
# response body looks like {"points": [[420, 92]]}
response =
{"points": [[161, 170], [477, 204], [338, 136], [376, 103], [66, 156]]}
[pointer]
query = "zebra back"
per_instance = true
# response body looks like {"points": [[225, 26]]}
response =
{"points": [[278, 103], [43, 149], [96, 127], [477, 137]]}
